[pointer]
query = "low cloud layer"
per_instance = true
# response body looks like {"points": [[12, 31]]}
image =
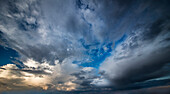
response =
{"points": [[38, 75]]}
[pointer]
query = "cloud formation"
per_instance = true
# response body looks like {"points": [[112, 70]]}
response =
{"points": [[38, 75], [78, 44]]}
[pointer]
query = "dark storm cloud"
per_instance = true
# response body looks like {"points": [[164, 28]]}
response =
{"points": [[142, 56]]}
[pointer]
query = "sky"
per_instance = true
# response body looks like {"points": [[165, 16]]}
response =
{"points": [[84, 46]]}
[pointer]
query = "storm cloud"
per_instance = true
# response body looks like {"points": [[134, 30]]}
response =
{"points": [[142, 56]]}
